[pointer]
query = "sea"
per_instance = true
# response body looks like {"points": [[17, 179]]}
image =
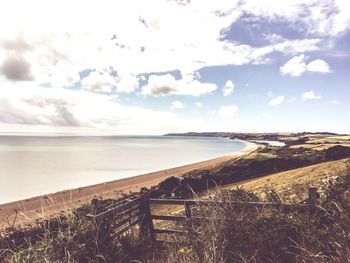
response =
{"points": [[35, 165]]}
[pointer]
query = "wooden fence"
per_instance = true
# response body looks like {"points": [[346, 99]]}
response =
{"points": [[121, 216], [135, 210]]}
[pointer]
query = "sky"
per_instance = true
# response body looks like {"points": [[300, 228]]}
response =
{"points": [[154, 67]]}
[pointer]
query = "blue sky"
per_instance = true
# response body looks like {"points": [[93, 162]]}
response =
{"points": [[152, 67]]}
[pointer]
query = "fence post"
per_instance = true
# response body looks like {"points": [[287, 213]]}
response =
{"points": [[94, 206], [94, 211], [147, 227], [312, 200], [188, 214], [188, 211]]}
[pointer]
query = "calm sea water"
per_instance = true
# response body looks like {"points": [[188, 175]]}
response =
{"points": [[31, 166]]}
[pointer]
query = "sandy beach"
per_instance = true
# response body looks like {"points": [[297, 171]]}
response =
{"points": [[26, 211]]}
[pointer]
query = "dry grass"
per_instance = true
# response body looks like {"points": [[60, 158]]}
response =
{"points": [[330, 139], [321, 142], [342, 137], [227, 234], [267, 234], [248, 236], [293, 184], [317, 147]]}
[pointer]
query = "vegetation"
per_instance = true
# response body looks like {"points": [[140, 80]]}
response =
{"points": [[74, 238], [267, 161], [273, 150], [227, 234], [269, 235]]}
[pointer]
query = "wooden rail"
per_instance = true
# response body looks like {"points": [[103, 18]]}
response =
{"points": [[307, 205], [136, 210], [121, 216]]}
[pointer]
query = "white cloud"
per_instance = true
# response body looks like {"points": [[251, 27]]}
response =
{"points": [[297, 66], [154, 40], [228, 88], [335, 102], [26, 55], [151, 42], [318, 65], [176, 104], [276, 101], [99, 82], [319, 18], [127, 83], [62, 75], [329, 18], [295, 46], [310, 95], [30, 106], [166, 85], [228, 111], [132, 38], [199, 104]]}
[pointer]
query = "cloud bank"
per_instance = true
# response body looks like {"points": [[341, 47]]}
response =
{"points": [[32, 105], [60, 69], [134, 38]]}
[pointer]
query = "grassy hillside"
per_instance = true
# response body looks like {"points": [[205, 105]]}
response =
{"points": [[292, 185]]}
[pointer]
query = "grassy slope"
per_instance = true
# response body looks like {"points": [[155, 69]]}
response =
{"points": [[319, 143], [293, 184], [317, 147]]}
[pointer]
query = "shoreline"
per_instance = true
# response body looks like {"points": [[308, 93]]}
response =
{"points": [[51, 205]]}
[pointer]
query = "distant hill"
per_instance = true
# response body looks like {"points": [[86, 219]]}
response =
{"points": [[273, 136], [318, 133], [202, 134], [233, 135]]}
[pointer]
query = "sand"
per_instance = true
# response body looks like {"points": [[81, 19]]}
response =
{"points": [[23, 212]]}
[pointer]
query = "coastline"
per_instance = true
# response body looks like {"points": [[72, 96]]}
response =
{"points": [[51, 205]]}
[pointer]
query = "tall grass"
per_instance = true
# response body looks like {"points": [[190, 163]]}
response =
{"points": [[73, 238], [223, 233], [231, 234]]}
